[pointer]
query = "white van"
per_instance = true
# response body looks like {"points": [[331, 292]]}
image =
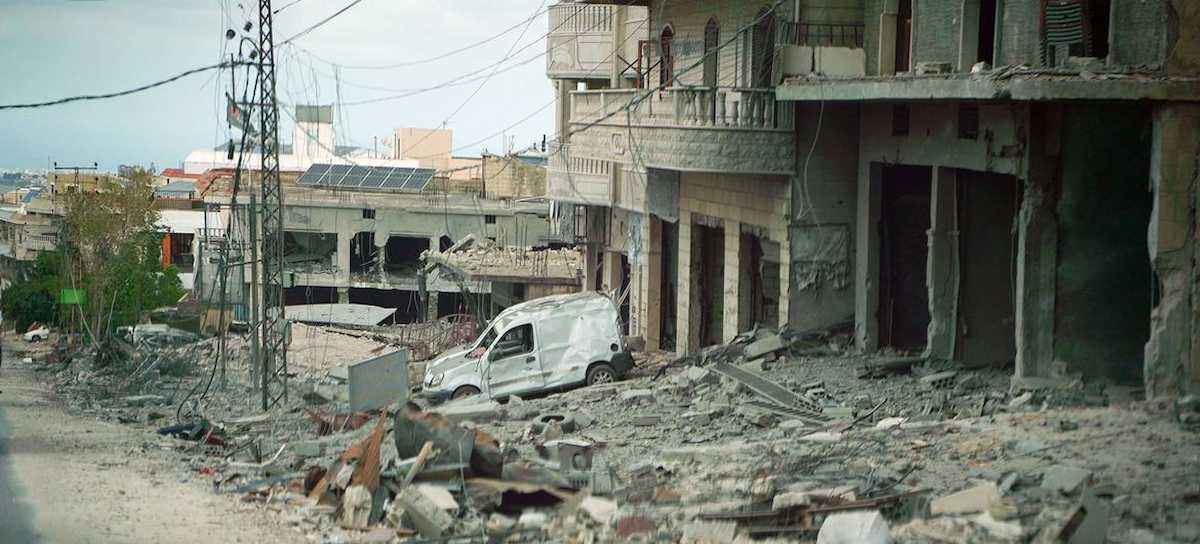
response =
{"points": [[539, 345]]}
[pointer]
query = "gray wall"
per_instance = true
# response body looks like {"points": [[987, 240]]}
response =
{"points": [[936, 27]]}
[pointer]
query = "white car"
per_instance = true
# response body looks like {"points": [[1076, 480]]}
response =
{"points": [[37, 335]]}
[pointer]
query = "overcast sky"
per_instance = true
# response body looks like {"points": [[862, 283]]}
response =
{"points": [[56, 48]]}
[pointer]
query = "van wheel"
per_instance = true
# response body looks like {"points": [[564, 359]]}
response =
{"points": [[601, 373], [464, 392]]}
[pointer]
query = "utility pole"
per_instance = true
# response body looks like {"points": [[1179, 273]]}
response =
{"points": [[255, 313], [274, 322]]}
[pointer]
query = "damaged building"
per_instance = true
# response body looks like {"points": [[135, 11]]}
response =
{"points": [[356, 234], [980, 181]]}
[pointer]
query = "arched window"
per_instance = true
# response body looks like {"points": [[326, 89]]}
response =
{"points": [[666, 68], [762, 49], [712, 38]]}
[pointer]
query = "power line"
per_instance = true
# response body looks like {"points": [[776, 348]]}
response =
{"points": [[117, 94], [320, 23], [428, 59]]}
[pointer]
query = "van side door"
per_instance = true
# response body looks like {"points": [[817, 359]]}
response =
{"points": [[512, 363]]}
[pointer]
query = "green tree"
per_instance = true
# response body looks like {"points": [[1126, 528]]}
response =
{"points": [[114, 250], [34, 298]]}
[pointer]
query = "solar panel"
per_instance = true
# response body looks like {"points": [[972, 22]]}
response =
{"points": [[367, 178]]}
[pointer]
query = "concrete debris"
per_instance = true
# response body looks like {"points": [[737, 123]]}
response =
{"points": [[600, 510], [1065, 479], [356, 507], [855, 528], [706, 532], [678, 450], [427, 517], [968, 501], [764, 346]]}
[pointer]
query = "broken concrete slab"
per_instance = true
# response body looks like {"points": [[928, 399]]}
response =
{"points": [[765, 345], [1065, 479], [379, 381], [705, 532], [473, 411], [637, 395], [356, 507], [600, 510], [855, 528], [968, 501], [646, 420], [767, 388], [427, 517], [940, 380]]}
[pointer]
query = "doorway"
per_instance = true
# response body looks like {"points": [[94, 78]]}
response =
{"points": [[669, 273], [708, 273], [986, 46], [903, 311], [986, 330], [666, 62]]}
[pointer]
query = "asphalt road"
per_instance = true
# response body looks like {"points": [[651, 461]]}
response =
{"points": [[16, 513], [74, 479]]}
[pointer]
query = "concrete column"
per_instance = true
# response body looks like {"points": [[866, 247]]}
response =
{"points": [[1037, 248], [942, 266], [785, 278], [732, 279], [343, 257], [562, 107], [620, 14], [1172, 355], [866, 268], [343, 295], [683, 285], [649, 279], [431, 308]]}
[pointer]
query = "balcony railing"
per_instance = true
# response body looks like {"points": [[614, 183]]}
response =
{"points": [[821, 35], [685, 107], [580, 18], [582, 180]]}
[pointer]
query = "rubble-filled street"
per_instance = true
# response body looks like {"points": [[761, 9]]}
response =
{"points": [[801, 442], [592, 271]]}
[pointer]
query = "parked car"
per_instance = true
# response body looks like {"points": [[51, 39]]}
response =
{"points": [[37, 334], [540, 345]]}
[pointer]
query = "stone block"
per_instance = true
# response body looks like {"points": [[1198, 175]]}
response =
{"points": [[934, 68], [600, 510], [941, 380], [308, 448], [763, 346], [473, 411], [646, 420], [1065, 479], [968, 501], [705, 532], [637, 396], [427, 517]]}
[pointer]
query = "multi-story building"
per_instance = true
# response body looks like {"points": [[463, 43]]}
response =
{"points": [[1019, 180], [683, 161], [983, 181]]}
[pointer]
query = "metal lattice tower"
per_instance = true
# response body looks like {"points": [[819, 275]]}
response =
{"points": [[274, 327]]}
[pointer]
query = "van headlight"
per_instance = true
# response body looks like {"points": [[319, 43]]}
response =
{"points": [[436, 379]]}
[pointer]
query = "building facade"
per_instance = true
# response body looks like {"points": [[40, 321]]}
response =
{"points": [[1016, 182]]}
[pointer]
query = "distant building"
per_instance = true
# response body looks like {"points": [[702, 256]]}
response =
{"points": [[313, 142]]}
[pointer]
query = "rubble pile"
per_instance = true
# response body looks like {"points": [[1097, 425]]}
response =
{"points": [[779, 435]]}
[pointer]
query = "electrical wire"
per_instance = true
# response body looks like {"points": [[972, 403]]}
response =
{"points": [[428, 59], [117, 94], [320, 23]]}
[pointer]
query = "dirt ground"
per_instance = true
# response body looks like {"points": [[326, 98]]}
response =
{"points": [[74, 479]]}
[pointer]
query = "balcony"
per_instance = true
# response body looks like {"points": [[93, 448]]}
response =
{"points": [[576, 179], [699, 129], [833, 50], [581, 38]]}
